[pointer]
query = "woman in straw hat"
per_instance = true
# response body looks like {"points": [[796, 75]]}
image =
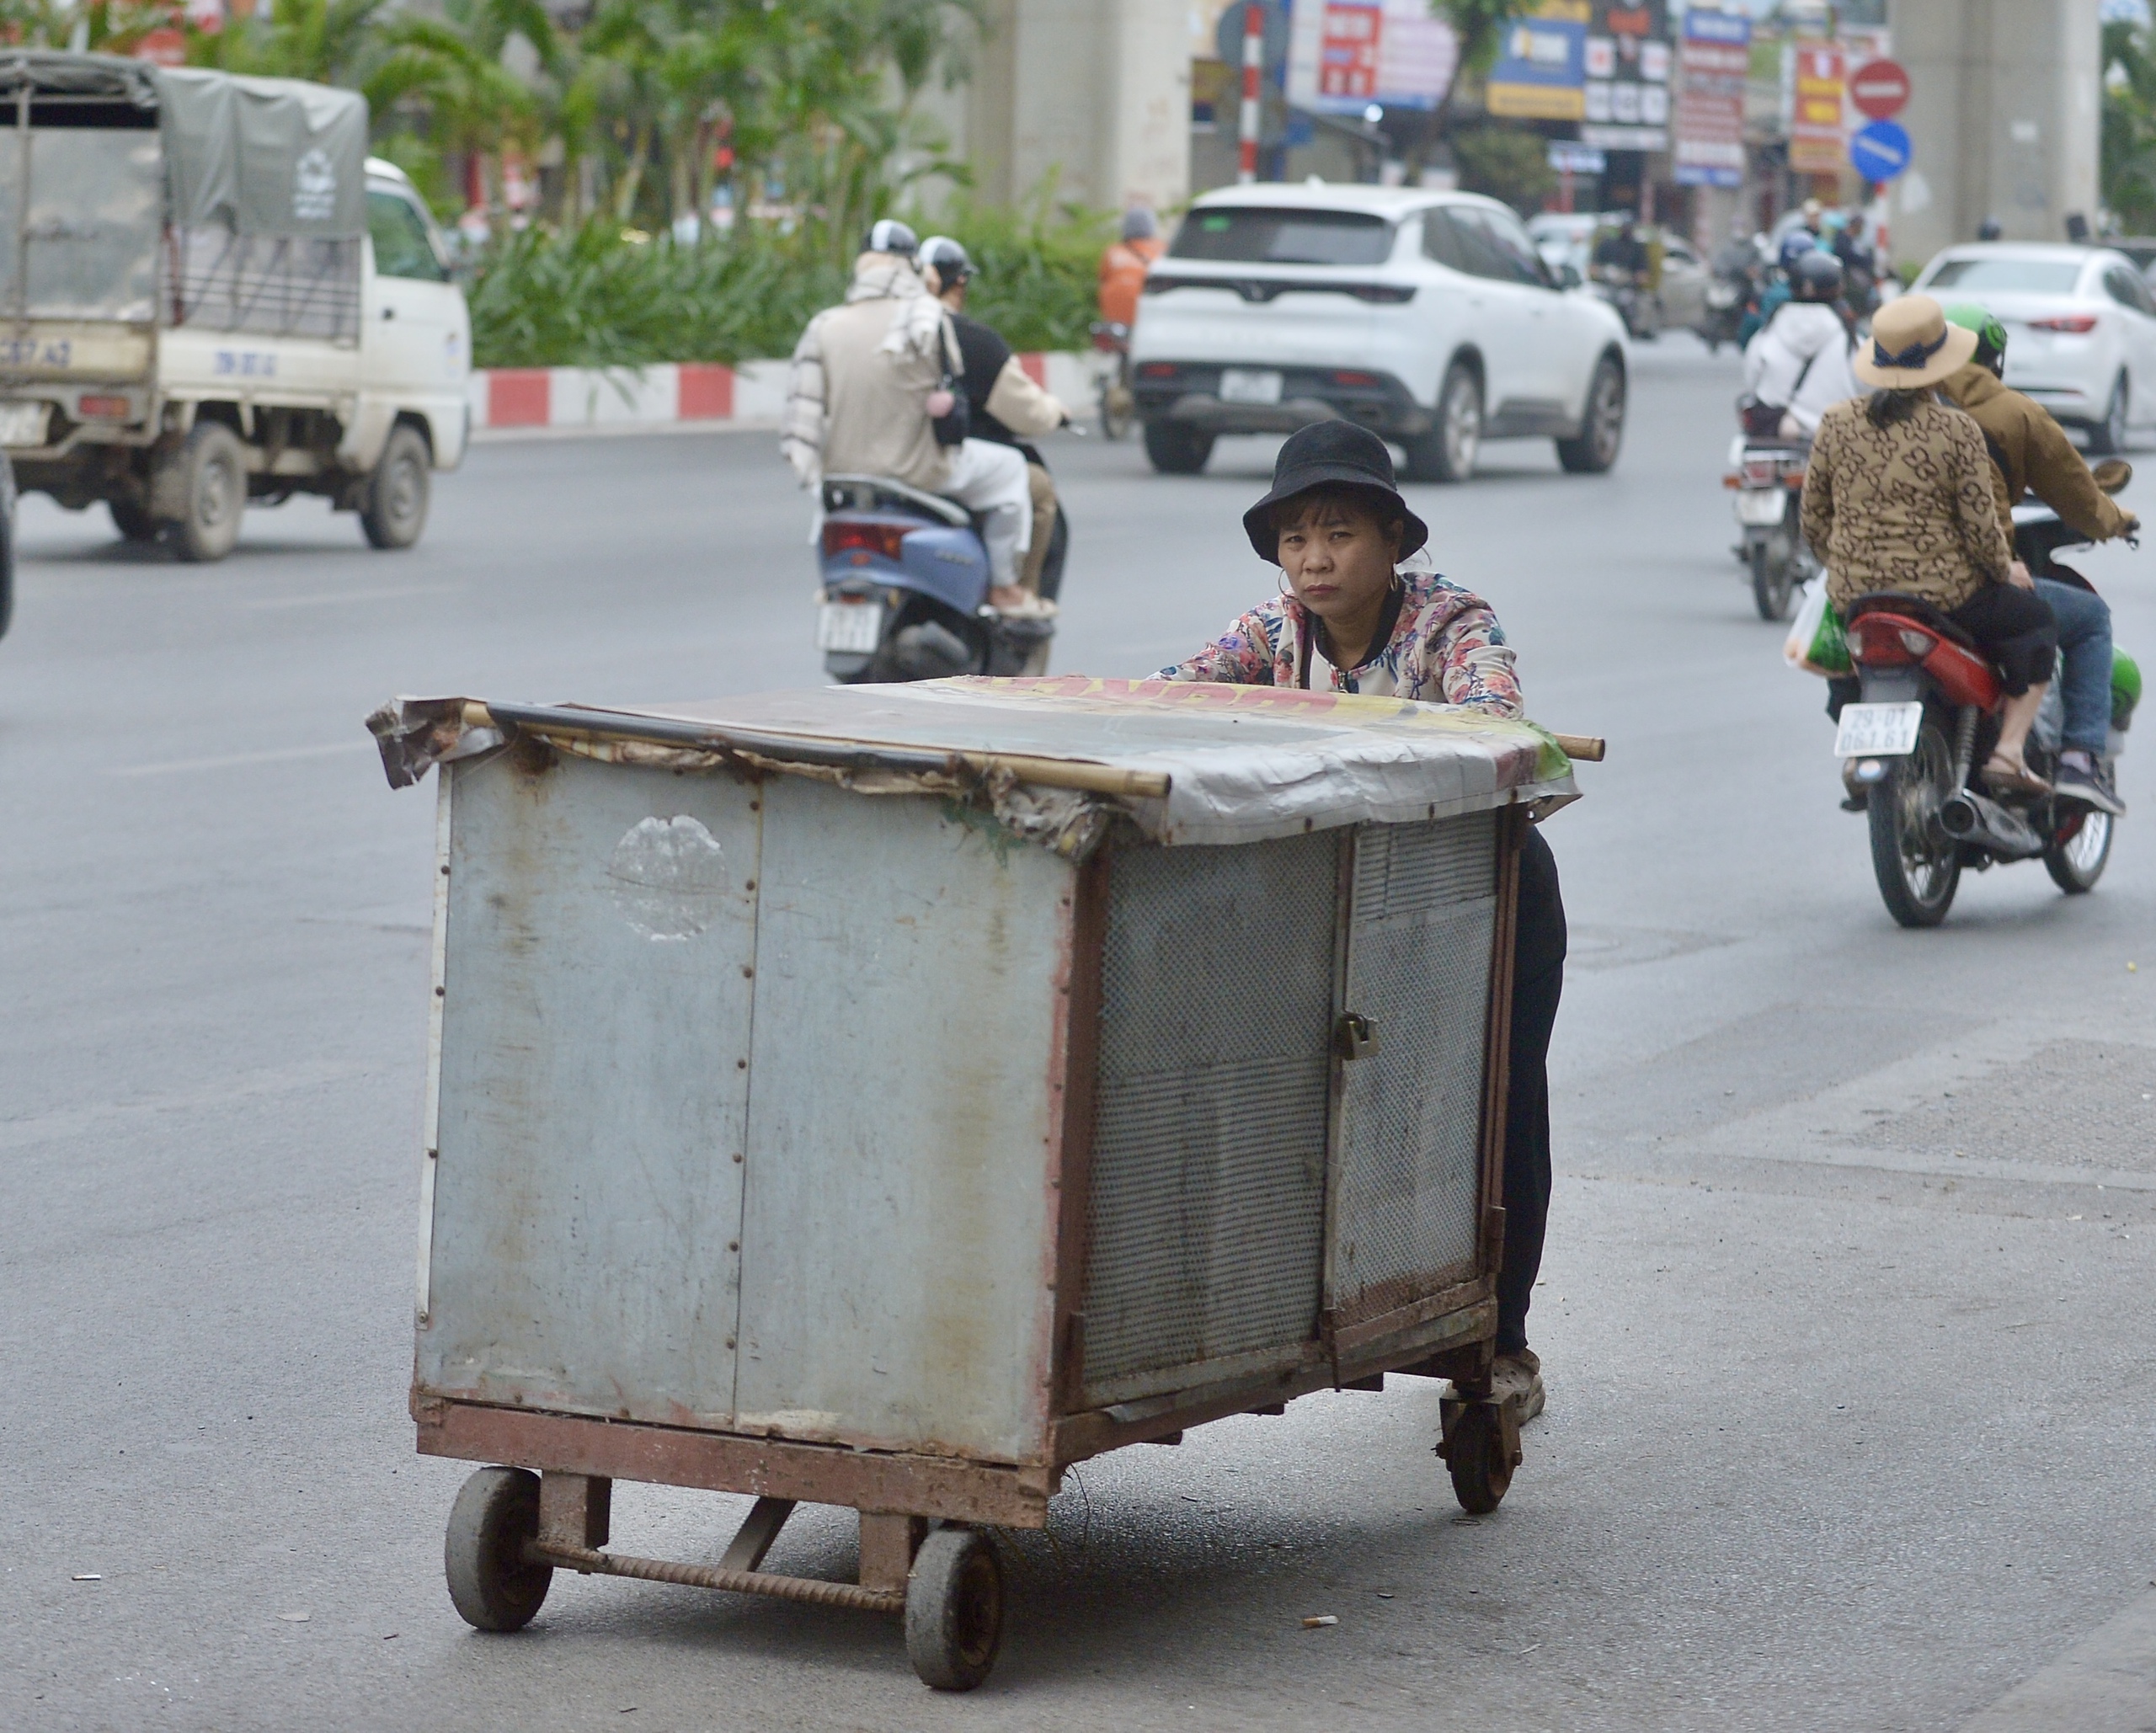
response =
{"points": [[1897, 498]]}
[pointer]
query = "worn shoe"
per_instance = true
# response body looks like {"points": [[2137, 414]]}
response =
{"points": [[1517, 1379], [2092, 787]]}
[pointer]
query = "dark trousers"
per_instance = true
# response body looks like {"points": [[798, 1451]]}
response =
{"points": [[2016, 628], [1538, 980]]}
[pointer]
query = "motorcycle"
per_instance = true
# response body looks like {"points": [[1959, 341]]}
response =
{"points": [[1927, 714], [1639, 308], [1119, 403], [1728, 300], [1767, 475], [903, 588]]}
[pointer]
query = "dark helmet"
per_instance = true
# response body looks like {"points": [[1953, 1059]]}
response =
{"points": [[891, 235], [950, 262], [1815, 275], [1988, 229], [1991, 335], [1795, 245]]}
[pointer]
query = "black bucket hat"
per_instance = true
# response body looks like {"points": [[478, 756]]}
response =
{"points": [[1331, 454]]}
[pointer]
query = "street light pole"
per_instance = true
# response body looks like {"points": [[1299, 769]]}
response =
{"points": [[1253, 65]]}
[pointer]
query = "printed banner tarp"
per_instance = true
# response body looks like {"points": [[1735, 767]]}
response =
{"points": [[1541, 69]]}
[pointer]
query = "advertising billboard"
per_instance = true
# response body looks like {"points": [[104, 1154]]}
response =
{"points": [[1541, 69], [1713, 53], [1344, 55], [1626, 91]]}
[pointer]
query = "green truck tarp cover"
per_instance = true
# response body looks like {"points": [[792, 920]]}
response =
{"points": [[271, 156]]}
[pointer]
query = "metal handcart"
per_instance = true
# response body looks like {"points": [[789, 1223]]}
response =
{"points": [[889, 1096]]}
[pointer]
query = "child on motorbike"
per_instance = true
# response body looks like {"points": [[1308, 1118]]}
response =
{"points": [[1364, 611]]}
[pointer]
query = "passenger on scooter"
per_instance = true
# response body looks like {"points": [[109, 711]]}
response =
{"points": [[1800, 361], [870, 393], [1365, 611], [2031, 454], [1005, 404], [1897, 497]]}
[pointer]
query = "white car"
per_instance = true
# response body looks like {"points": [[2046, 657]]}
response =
{"points": [[1427, 317], [2080, 326]]}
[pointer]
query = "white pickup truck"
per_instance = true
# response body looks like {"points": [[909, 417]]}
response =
{"points": [[211, 295]]}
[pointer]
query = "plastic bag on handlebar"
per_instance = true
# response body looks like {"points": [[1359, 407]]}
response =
{"points": [[1815, 643]]}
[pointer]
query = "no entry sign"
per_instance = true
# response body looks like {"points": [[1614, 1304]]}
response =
{"points": [[1880, 90]]}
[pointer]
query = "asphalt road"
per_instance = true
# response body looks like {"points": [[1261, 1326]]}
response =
{"points": [[1847, 1298]]}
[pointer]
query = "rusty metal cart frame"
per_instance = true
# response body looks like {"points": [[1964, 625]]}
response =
{"points": [[544, 1501]]}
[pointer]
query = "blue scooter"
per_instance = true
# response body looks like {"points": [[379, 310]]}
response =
{"points": [[904, 580]]}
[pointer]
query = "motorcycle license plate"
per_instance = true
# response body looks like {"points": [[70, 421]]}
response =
{"points": [[849, 627], [1249, 385], [1760, 507], [1878, 730]]}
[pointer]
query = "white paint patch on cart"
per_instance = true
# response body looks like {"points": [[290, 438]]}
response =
{"points": [[667, 876]]}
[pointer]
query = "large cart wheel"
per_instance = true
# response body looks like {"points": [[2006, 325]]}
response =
{"points": [[497, 1511], [1480, 1453], [954, 1609]]}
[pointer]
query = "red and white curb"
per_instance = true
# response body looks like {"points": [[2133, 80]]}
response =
{"points": [[706, 393]]}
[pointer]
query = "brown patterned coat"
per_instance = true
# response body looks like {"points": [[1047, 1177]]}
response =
{"points": [[1907, 507]]}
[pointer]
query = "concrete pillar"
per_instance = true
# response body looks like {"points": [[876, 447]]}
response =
{"points": [[2005, 115], [1094, 94]]}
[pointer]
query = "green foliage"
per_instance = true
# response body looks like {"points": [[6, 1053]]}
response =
{"points": [[1507, 162], [2129, 125], [594, 297]]}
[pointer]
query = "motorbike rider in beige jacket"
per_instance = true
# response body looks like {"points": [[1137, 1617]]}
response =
{"points": [[871, 381]]}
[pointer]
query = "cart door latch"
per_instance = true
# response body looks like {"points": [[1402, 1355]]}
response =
{"points": [[1354, 1036]]}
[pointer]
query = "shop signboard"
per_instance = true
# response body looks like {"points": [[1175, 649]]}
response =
{"points": [[1344, 55], [1712, 57], [1541, 64], [1816, 136], [1625, 94]]}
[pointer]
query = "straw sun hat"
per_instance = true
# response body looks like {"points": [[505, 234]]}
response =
{"points": [[1912, 346]]}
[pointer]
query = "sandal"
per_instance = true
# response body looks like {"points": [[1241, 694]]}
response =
{"points": [[2010, 775]]}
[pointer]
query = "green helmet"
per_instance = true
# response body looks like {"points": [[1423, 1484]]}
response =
{"points": [[1991, 335]]}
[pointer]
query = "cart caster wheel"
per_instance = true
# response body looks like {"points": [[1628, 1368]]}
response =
{"points": [[954, 1609], [1481, 1450], [496, 1511]]}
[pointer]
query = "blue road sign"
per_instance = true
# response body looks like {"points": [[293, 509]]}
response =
{"points": [[1880, 150]]}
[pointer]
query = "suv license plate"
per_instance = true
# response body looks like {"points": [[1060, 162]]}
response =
{"points": [[853, 627], [1249, 385], [24, 424], [1878, 730]]}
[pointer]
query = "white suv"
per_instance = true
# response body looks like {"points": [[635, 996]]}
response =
{"points": [[1429, 317]]}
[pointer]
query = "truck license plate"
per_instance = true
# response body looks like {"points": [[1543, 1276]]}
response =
{"points": [[849, 627], [24, 424], [1249, 385], [1878, 730], [1760, 508]]}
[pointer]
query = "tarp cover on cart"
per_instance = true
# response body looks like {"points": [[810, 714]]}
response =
{"points": [[1200, 763]]}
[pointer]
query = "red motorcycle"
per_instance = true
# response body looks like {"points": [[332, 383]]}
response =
{"points": [[1927, 713]]}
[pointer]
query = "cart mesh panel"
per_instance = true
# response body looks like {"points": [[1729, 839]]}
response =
{"points": [[1425, 909], [1208, 1197]]}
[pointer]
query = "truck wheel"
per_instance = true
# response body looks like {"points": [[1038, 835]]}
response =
{"points": [[397, 491], [133, 522], [1176, 448], [213, 491]]}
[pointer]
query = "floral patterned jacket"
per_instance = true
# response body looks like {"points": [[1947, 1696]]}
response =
{"points": [[1445, 648]]}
